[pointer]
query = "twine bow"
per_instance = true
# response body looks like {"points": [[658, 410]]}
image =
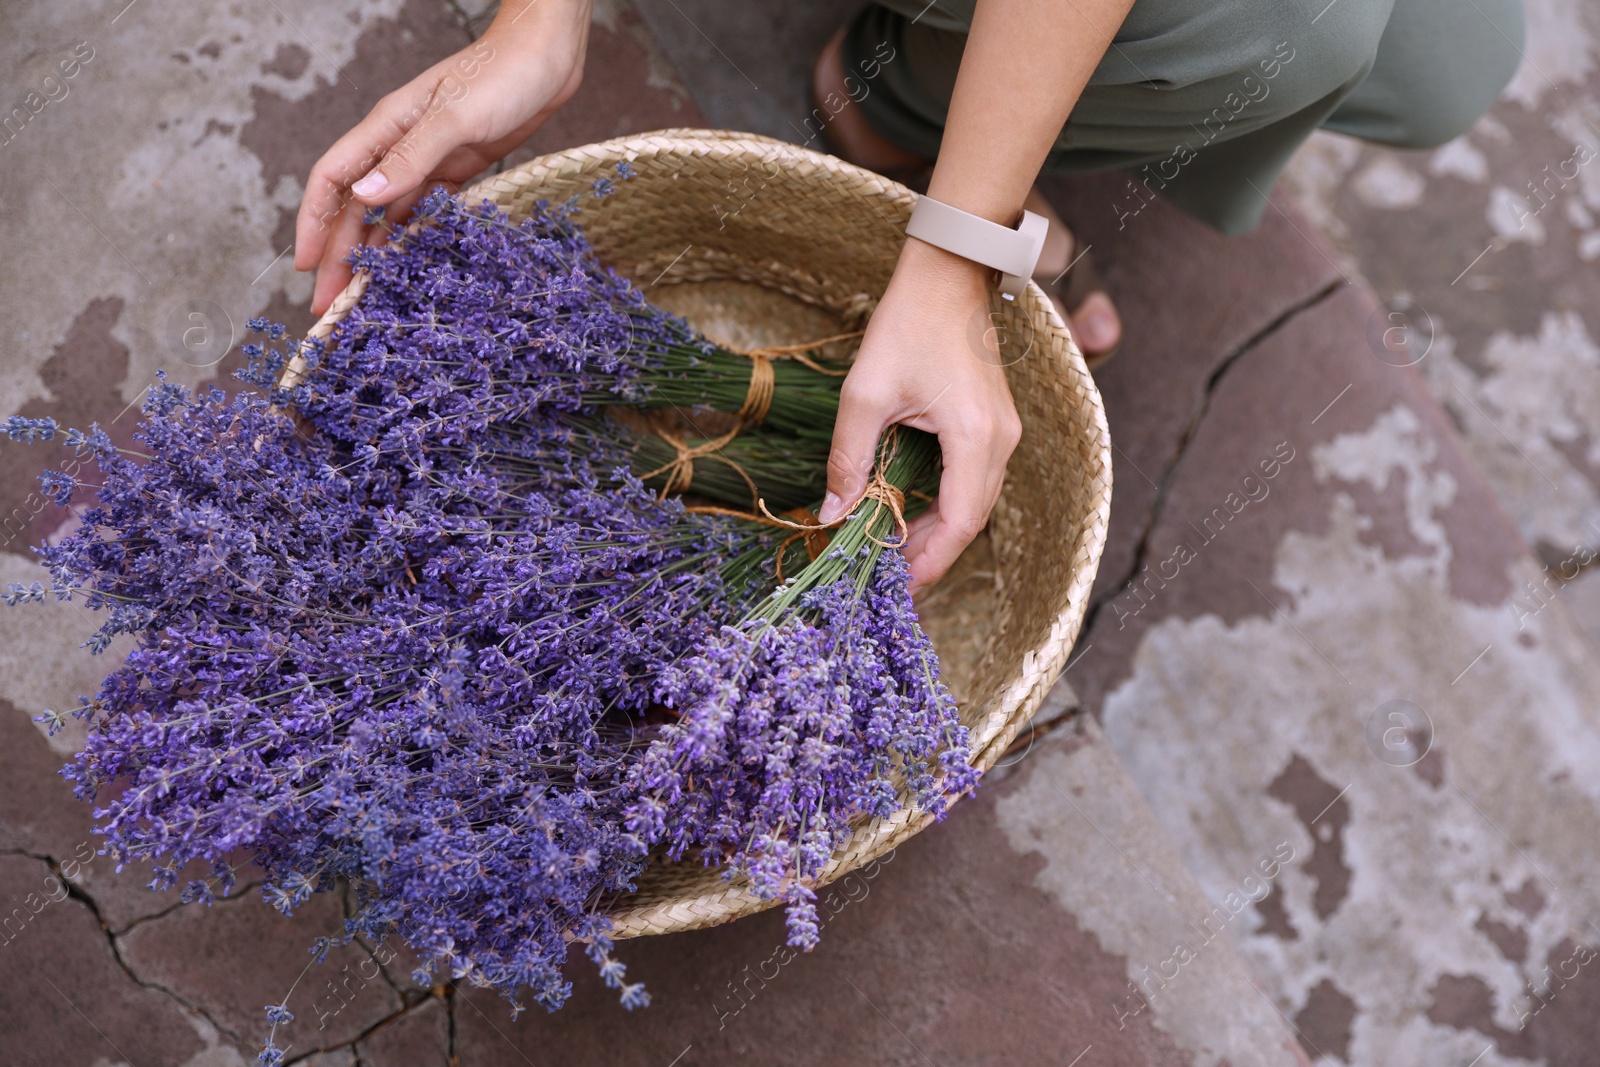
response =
{"points": [[680, 468]]}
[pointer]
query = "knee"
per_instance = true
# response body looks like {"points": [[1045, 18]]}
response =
{"points": [[1452, 112], [1449, 101], [1439, 127], [1327, 64]]}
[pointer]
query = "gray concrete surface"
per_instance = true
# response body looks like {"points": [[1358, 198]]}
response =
{"points": [[1485, 253], [1227, 849]]}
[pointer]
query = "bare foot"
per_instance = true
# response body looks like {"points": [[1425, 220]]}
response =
{"points": [[1095, 322]]}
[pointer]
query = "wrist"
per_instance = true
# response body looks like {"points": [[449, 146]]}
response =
{"points": [[529, 24], [977, 194], [931, 267]]}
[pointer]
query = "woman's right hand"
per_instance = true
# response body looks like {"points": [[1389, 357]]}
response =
{"points": [[444, 126]]}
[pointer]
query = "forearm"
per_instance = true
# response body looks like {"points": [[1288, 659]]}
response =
{"points": [[1025, 63]]}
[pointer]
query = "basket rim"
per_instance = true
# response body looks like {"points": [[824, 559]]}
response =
{"points": [[1042, 664]]}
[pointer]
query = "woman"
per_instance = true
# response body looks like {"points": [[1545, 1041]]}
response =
{"points": [[1201, 101]]}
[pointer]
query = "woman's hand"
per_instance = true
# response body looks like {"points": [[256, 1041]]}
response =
{"points": [[922, 362], [929, 360], [444, 126]]}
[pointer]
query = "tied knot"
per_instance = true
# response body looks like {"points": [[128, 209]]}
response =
{"points": [[680, 468], [763, 379], [885, 496], [763, 383], [888, 496]]}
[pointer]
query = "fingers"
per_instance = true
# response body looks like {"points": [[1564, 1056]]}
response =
{"points": [[863, 413], [967, 491], [918, 529], [328, 185], [408, 162], [387, 156], [333, 273], [398, 179], [975, 456]]}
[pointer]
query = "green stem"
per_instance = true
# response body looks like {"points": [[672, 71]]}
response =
{"points": [[907, 459]]}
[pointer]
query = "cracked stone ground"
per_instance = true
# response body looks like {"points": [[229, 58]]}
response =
{"points": [[1206, 853]]}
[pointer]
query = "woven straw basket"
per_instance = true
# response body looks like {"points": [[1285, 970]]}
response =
{"points": [[760, 242]]}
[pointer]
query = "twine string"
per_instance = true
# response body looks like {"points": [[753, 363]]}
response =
{"points": [[883, 493], [801, 520], [766, 520], [758, 400], [797, 352], [680, 468], [815, 540], [763, 379], [757, 403]]}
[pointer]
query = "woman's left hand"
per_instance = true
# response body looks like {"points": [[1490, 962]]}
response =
{"points": [[445, 125], [929, 361]]}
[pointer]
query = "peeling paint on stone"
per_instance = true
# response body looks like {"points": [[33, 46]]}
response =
{"points": [[1507, 300], [105, 193], [40, 655], [1429, 864], [1323, 811], [1178, 943], [1389, 185], [81, 377], [1560, 48], [1325, 1020], [1531, 421], [1461, 159]]}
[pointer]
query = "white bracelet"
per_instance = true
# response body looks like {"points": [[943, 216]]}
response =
{"points": [[1013, 253]]}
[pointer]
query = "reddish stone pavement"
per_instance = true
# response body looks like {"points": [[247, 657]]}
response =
{"points": [[1210, 860]]}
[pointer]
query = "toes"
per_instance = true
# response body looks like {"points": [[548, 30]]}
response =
{"points": [[1096, 323]]}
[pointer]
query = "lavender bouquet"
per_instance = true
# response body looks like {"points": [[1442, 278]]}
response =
{"points": [[799, 718], [443, 618], [483, 320]]}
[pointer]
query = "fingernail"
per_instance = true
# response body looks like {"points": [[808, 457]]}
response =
{"points": [[831, 506], [373, 184]]}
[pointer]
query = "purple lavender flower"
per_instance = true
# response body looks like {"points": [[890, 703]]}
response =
{"points": [[408, 676], [791, 731], [415, 636]]}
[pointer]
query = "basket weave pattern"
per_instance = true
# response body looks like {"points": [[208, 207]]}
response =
{"points": [[713, 207]]}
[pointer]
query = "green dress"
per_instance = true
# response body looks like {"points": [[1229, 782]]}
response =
{"points": [[1204, 101]]}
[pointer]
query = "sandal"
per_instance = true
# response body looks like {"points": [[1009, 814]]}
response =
{"points": [[1070, 289]]}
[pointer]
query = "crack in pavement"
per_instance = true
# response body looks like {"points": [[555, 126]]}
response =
{"points": [[349, 910], [137, 921], [1174, 464], [113, 940], [410, 999], [450, 1012], [351, 1044], [82, 896]]}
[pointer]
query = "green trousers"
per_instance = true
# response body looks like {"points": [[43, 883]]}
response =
{"points": [[1204, 101]]}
